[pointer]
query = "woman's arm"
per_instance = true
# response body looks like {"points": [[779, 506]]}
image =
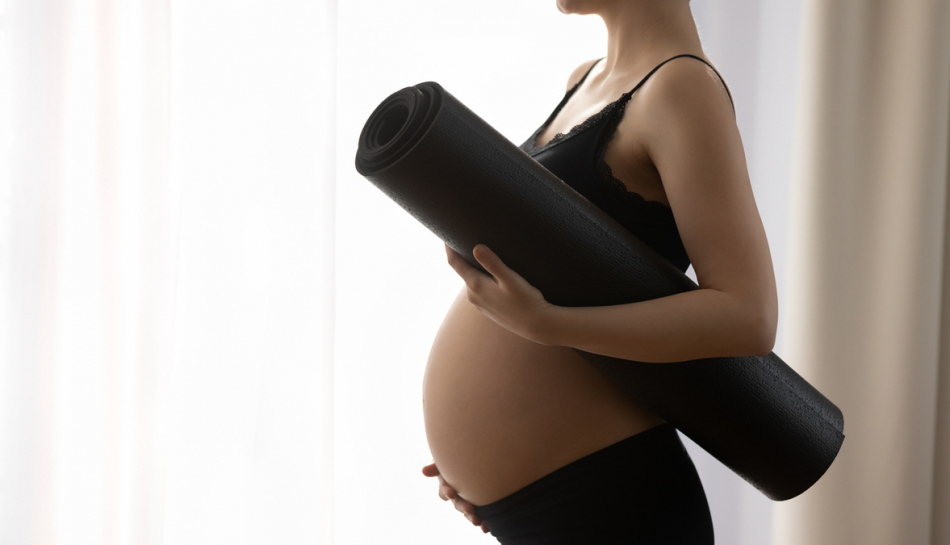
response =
{"points": [[687, 124], [697, 324]]}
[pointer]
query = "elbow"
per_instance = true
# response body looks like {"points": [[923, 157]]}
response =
{"points": [[764, 345], [763, 329]]}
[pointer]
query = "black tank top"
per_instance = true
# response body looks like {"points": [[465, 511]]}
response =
{"points": [[578, 158]]}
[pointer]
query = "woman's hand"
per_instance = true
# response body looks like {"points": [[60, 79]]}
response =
{"points": [[447, 493], [503, 295]]}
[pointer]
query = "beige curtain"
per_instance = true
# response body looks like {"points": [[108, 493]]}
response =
{"points": [[868, 312]]}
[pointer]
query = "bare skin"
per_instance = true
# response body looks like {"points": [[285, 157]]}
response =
{"points": [[506, 400]]}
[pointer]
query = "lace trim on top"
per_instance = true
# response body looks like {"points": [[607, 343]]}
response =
{"points": [[653, 211], [580, 127]]}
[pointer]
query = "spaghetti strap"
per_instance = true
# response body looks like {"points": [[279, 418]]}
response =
{"points": [[576, 85], [657, 67]]}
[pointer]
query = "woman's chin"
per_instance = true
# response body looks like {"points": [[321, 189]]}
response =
{"points": [[579, 7]]}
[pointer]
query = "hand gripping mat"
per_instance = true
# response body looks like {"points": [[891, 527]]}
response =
{"points": [[468, 184]]}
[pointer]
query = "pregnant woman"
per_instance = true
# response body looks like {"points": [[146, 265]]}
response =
{"points": [[528, 439]]}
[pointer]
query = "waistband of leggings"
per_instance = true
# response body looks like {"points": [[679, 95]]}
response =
{"points": [[625, 449]]}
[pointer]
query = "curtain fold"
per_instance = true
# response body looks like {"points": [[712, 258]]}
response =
{"points": [[866, 265], [941, 480]]}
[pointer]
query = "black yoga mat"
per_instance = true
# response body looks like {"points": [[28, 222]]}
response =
{"points": [[468, 184]]}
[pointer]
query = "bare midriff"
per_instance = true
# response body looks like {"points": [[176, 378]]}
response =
{"points": [[502, 411]]}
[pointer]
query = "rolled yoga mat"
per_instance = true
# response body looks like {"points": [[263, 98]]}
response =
{"points": [[468, 184]]}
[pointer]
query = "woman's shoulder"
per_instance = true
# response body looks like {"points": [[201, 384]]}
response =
{"points": [[579, 72], [688, 86]]}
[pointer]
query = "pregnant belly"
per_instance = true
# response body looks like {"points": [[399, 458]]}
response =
{"points": [[502, 411]]}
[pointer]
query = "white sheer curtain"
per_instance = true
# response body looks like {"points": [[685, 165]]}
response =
{"points": [[213, 330], [167, 354]]}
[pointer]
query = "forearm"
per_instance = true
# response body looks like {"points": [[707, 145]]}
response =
{"points": [[696, 324]]}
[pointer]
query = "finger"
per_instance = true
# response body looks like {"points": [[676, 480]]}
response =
{"points": [[430, 470], [464, 507], [491, 262], [474, 519], [449, 492], [442, 489], [484, 527], [468, 273]]}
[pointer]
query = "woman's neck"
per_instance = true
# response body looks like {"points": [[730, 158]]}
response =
{"points": [[640, 31]]}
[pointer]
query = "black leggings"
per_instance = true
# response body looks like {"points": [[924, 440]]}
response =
{"points": [[642, 490]]}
